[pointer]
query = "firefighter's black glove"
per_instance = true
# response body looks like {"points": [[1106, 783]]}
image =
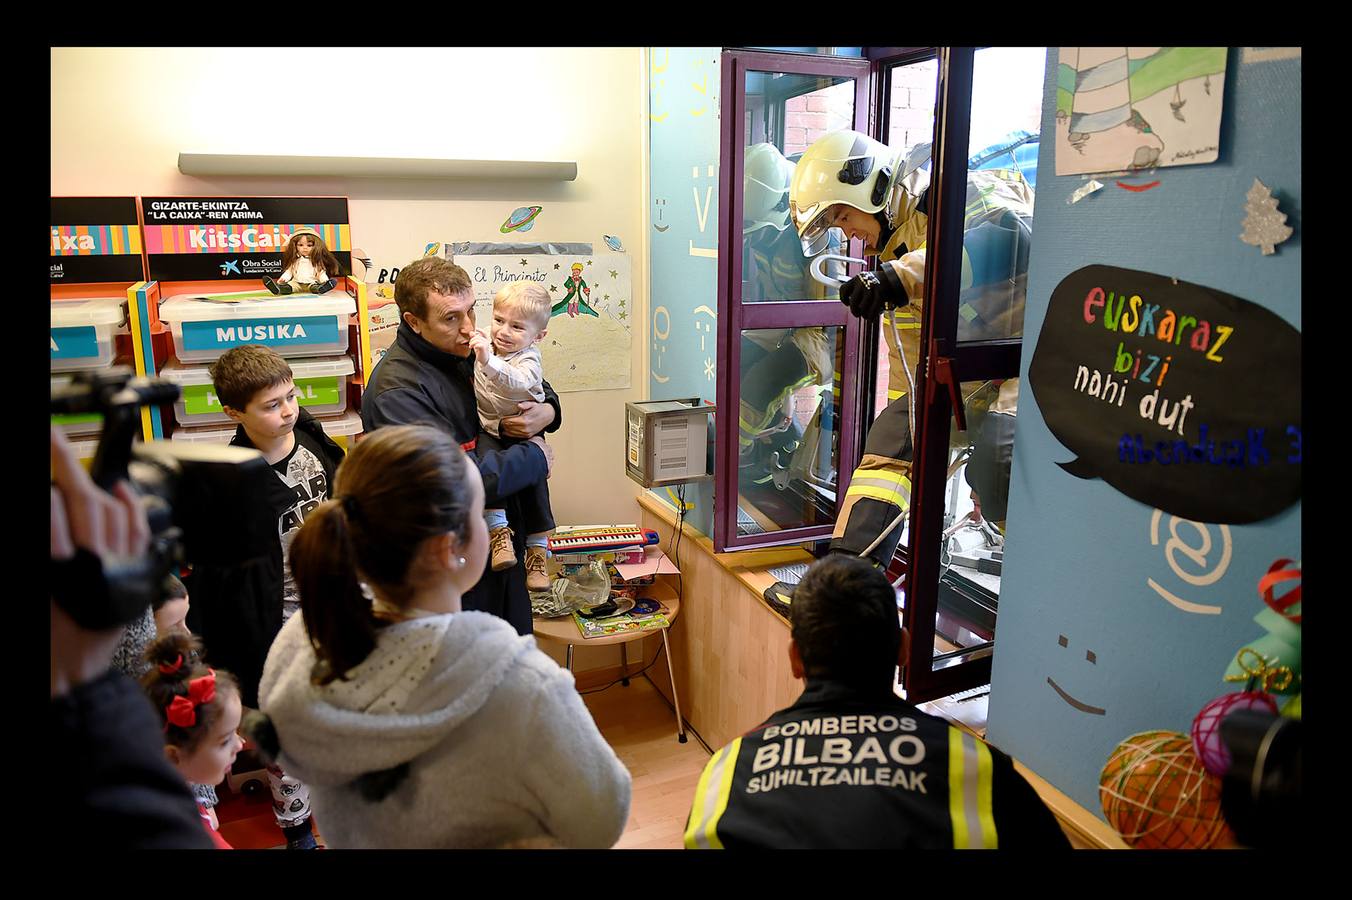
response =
{"points": [[866, 293]]}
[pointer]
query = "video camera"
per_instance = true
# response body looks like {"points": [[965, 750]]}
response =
{"points": [[1261, 792], [204, 503]]}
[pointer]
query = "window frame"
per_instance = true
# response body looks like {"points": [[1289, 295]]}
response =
{"points": [[736, 316], [947, 364]]}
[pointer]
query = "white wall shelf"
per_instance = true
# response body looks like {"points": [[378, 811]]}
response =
{"points": [[260, 165]]}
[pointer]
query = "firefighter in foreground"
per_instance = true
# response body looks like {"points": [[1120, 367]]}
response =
{"points": [[847, 183], [850, 764]]}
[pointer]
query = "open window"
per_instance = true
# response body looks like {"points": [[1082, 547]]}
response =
{"points": [[801, 380], [980, 232], [789, 353]]}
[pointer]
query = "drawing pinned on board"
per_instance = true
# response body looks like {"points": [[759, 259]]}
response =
{"points": [[521, 219], [1121, 108], [1264, 225], [614, 243]]}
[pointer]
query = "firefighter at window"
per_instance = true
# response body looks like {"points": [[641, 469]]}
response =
{"points": [[849, 184]]}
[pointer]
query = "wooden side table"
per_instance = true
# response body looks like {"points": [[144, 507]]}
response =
{"points": [[563, 630]]}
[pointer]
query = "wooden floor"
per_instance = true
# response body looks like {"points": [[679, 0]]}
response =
{"points": [[639, 724]]}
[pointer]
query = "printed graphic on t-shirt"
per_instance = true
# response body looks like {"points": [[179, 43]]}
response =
{"points": [[305, 476]]}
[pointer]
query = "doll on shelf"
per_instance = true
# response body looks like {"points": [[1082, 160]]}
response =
{"points": [[307, 266]]}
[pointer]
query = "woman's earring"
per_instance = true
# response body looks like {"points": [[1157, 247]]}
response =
{"points": [[462, 562]]}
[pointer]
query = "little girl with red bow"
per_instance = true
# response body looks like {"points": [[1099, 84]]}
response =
{"points": [[200, 710]]}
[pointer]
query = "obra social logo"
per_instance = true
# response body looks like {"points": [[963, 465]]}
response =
{"points": [[1180, 396]]}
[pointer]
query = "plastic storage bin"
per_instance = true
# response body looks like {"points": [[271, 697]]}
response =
{"points": [[344, 429], [72, 425], [321, 387], [343, 426], [82, 332], [292, 326]]}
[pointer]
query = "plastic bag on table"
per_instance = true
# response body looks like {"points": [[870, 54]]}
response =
{"points": [[574, 589]]}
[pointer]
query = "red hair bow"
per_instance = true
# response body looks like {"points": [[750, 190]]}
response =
{"points": [[182, 711]]}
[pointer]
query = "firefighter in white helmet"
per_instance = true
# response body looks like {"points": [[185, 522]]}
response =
{"points": [[852, 186]]}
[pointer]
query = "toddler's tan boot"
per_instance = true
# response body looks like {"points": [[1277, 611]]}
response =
{"points": [[500, 546], [537, 571]]}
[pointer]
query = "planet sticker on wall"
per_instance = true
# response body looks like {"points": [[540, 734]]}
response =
{"points": [[614, 243], [521, 219]]}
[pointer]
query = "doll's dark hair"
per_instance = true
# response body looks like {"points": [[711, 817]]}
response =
{"points": [[175, 662], [321, 256], [398, 487]]}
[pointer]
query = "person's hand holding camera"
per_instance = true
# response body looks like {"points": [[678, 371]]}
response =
{"points": [[108, 526]]}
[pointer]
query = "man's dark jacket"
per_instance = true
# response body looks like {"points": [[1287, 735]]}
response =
{"points": [[237, 609], [415, 383]]}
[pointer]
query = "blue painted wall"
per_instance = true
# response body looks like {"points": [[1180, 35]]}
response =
{"points": [[1078, 553], [683, 123]]}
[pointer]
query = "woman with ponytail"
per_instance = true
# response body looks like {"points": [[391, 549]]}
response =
{"points": [[200, 711], [414, 723]]}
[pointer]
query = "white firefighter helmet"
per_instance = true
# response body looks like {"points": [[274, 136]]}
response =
{"points": [[765, 189], [841, 167]]}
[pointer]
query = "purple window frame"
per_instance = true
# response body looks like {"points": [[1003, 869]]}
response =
{"points": [[735, 316]]}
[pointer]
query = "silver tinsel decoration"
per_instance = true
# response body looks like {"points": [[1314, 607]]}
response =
{"points": [[1264, 226]]}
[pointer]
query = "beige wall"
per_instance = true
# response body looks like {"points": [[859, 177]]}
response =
{"points": [[120, 116]]}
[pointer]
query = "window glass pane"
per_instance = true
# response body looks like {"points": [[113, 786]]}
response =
{"points": [[1002, 171], [976, 498], [910, 118], [788, 428], [910, 122], [785, 113]]}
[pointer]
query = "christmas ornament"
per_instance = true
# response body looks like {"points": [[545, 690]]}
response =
{"points": [[1206, 727], [1157, 795], [1264, 226], [1273, 660]]}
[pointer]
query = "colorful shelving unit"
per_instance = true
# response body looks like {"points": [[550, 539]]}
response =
{"points": [[206, 257], [97, 271]]}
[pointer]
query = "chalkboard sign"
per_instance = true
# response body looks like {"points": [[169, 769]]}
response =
{"points": [[1180, 396]]}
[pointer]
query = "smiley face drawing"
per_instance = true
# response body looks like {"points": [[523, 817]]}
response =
{"points": [[1078, 704], [660, 203]]}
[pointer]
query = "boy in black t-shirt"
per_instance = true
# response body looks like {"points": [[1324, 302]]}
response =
{"points": [[239, 609]]}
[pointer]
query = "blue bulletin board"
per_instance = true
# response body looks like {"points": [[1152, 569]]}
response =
{"points": [[1115, 617]]}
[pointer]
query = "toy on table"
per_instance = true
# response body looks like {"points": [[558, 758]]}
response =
{"points": [[584, 539], [308, 266]]}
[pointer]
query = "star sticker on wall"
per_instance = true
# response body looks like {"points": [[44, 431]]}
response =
{"points": [[553, 288], [523, 262], [614, 273], [709, 368], [589, 262], [556, 265], [623, 314], [605, 296]]}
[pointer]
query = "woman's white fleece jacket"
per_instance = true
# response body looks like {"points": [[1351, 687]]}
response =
{"points": [[500, 745]]}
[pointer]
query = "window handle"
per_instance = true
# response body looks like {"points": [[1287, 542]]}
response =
{"points": [[945, 372]]}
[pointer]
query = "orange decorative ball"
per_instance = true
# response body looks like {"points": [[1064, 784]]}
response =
{"points": [[1157, 795]]}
